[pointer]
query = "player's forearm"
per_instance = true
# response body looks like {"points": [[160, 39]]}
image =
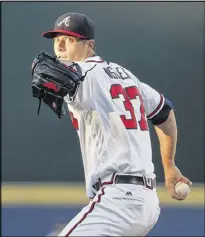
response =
{"points": [[167, 135]]}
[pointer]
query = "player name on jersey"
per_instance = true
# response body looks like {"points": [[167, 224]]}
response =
{"points": [[117, 73]]}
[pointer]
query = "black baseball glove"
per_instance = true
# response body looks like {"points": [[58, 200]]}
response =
{"points": [[53, 80]]}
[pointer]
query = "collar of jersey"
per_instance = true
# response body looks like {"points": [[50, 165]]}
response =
{"points": [[94, 59]]}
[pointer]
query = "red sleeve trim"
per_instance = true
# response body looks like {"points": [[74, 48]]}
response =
{"points": [[161, 103]]}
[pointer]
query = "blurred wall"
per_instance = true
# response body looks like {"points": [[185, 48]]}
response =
{"points": [[161, 43], [23, 220]]}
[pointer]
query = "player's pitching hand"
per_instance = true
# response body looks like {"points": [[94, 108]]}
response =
{"points": [[173, 176]]}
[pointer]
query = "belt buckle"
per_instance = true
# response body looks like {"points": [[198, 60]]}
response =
{"points": [[148, 182]]}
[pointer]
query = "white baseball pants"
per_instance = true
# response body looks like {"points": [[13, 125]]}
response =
{"points": [[117, 210]]}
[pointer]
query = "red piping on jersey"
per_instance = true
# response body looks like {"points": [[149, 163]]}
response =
{"points": [[158, 107], [69, 67], [86, 214]]}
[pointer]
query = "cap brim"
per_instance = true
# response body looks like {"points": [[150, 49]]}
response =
{"points": [[53, 33]]}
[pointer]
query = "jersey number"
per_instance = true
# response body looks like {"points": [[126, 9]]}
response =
{"points": [[74, 121], [130, 93]]}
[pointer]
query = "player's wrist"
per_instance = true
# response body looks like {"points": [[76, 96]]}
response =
{"points": [[169, 164]]}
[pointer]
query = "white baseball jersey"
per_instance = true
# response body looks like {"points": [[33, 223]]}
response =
{"points": [[110, 111]]}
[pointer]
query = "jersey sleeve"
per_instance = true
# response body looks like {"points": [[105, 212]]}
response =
{"points": [[153, 101]]}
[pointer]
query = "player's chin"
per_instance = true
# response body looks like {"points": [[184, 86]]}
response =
{"points": [[61, 56]]}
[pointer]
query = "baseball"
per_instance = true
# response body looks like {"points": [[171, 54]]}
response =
{"points": [[182, 189]]}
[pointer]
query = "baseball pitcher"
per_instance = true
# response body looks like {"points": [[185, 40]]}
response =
{"points": [[110, 109]]}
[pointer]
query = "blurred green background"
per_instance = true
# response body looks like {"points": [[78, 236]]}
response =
{"points": [[161, 43]]}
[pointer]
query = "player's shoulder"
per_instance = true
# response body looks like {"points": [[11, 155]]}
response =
{"points": [[89, 64], [122, 69], [91, 61], [128, 71], [116, 65]]}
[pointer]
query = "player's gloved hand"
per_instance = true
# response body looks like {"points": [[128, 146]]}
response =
{"points": [[173, 176], [53, 80]]}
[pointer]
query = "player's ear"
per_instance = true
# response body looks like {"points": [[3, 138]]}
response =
{"points": [[91, 44]]}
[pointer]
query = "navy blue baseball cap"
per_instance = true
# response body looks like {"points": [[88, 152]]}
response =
{"points": [[73, 24]]}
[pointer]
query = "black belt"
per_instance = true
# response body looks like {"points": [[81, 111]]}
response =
{"points": [[128, 179]]}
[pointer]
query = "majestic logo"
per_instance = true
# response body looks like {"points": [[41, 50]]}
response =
{"points": [[66, 21]]}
